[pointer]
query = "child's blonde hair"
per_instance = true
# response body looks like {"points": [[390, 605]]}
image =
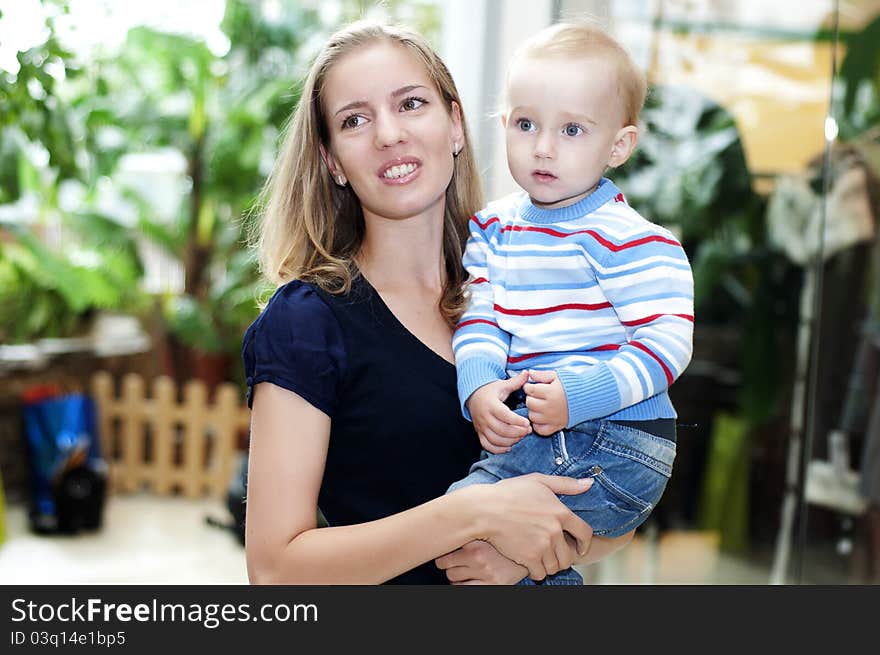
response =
{"points": [[311, 229], [586, 39]]}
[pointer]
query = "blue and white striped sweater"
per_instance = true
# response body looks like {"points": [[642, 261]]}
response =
{"points": [[592, 291]]}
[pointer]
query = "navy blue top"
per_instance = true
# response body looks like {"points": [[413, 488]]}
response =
{"points": [[397, 436]]}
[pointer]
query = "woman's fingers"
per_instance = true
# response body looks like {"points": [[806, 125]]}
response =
{"points": [[531, 521], [563, 485], [448, 560], [458, 574], [564, 552], [536, 569], [580, 530], [550, 561], [571, 523]]}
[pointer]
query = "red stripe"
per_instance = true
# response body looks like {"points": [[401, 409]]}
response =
{"points": [[476, 320], [479, 280], [542, 230], [519, 358], [659, 361], [548, 310], [648, 319], [489, 221], [598, 237]]}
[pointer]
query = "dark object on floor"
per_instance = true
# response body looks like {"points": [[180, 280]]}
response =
{"points": [[79, 500], [68, 476], [235, 502]]}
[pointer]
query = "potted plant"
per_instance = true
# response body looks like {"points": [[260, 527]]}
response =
{"points": [[223, 112]]}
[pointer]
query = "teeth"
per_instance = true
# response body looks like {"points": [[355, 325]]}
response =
{"points": [[399, 171]]}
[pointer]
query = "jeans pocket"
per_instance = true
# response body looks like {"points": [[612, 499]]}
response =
{"points": [[630, 472], [611, 510]]}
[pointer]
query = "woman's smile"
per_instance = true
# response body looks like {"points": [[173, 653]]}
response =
{"points": [[400, 171]]}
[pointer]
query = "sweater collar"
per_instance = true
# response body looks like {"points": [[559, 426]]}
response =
{"points": [[605, 191]]}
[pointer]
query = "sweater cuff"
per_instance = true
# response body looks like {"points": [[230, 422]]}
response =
{"points": [[474, 373], [590, 394]]}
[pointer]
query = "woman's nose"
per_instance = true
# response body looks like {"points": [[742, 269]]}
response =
{"points": [[389, 130]]}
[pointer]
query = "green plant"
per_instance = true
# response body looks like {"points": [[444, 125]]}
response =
{"points": [[858, 83], [50, 293], [223, 112], [51, 290]]}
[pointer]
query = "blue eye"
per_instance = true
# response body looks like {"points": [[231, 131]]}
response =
{"points": [[573, 129], [525, 125]]}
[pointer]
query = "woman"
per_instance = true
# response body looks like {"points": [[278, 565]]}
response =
{"points": [[350, 371]]}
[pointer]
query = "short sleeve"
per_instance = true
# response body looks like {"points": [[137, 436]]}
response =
{"points": [[297, 344]]}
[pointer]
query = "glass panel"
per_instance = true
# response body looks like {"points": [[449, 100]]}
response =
{"points": [[733, 160]]}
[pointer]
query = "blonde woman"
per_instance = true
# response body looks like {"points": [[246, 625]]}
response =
{"points": [[350, 368]]}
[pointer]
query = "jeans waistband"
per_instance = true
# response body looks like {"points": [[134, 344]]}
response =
{"points": [[659, 427]]}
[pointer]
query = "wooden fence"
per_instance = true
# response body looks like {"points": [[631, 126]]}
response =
{"points": [[158, 443]]}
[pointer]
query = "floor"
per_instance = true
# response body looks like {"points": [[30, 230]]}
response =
{"points": [[144, 539], [147, 539]]}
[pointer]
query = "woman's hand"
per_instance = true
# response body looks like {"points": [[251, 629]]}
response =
{"points": [[478, 563], [528, 524]]}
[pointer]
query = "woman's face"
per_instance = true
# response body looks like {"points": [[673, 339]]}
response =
{"points": [[391, 135]]}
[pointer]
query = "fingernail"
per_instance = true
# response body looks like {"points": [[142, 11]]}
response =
{"points": [[585, 482]]}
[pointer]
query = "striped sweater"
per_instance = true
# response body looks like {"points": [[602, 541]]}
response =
{"points": [[592, 291]]}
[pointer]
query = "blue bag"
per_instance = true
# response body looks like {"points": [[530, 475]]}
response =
{"points": [[68, 475]]}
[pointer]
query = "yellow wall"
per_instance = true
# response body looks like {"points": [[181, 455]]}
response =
{"points": [[777, 90]]}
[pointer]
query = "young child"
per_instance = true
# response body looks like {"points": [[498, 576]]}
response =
{"points": [[581, 310]]}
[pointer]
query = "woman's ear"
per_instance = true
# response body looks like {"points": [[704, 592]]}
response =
{"points": [[624, 143], [332, 165], [457, 125]]}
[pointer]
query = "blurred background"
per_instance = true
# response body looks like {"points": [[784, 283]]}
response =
{"points": [[134, 138]]}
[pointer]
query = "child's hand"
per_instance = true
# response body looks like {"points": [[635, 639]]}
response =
{"points": [[497, 425], [548, 407]]}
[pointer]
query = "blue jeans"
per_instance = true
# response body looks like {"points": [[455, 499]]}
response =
{"points": [[630, 468]]}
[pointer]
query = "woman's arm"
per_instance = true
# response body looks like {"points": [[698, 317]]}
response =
{"points": [[288, 448]]}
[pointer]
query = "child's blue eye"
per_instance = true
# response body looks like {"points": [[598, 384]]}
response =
{"points": [[573, 130], [525, 125]]}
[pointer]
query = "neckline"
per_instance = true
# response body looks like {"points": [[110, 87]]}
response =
{"points": [[384, 308], [605, 191]]}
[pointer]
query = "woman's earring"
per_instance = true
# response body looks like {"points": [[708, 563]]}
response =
{"points": [[455, 149], [340, 180]]}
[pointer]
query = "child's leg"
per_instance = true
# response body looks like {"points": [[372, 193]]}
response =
{"points": [[630, 467]]}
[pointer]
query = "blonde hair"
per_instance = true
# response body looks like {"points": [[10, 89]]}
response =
{"points": [[588, 39], [311, 229]]}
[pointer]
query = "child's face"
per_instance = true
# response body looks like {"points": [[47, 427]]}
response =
{"points": [[564, 127]]}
